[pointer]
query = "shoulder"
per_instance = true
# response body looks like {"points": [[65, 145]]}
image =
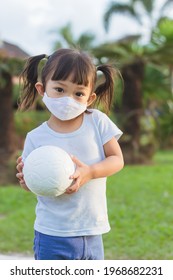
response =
{"points": [[37, 130], [36, 134], [99, 117], [107, 128], [97, 114], [32, 140]]}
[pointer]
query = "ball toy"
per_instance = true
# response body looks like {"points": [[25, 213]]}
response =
{"points": [[47, 170]]}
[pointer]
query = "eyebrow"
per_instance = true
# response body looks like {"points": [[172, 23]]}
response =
{"points": [[61, 83], [64, 84]]}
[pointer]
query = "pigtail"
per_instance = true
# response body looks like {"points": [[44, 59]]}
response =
{"points": [[105, 90], [28, 79]]}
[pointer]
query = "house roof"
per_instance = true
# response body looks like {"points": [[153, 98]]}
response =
{"points": [[10, 50]]}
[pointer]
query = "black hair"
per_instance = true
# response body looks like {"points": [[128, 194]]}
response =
{"points": [[64, 64]]}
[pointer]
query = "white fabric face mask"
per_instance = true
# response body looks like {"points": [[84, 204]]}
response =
{"points": [[64, 108]]}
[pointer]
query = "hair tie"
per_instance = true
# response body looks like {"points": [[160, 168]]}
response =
{"points": [[98, 68], [46, 56]]}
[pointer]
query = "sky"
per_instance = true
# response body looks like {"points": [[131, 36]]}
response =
{"points": [[33, 25]]}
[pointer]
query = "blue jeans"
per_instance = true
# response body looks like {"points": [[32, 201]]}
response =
{"points": [[48, 247]]}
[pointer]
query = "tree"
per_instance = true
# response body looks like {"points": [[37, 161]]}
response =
{"points": [[134, 58], [129, 55], [161, 44], [139, 11], [162, 47], [84, 41], [8, 67], [6, 112]]}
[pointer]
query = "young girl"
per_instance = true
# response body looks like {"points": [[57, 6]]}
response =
{"points": [[71, 225]]}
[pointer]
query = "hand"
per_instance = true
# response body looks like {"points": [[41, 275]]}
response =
{"points": [[19, 175], [81, 175]]}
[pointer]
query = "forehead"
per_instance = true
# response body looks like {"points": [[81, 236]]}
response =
{"points": [[68, 83], [75, 74]]}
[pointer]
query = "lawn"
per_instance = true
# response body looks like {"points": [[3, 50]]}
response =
{"points": [[16, 219], [140, 203], [140, 207]]}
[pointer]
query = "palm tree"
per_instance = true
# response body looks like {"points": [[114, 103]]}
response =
{"points": [[7, 132], [129, 55], [133, 57], [84, 41], [6, 127], [161, 42], [139, 11], [9, 66]]}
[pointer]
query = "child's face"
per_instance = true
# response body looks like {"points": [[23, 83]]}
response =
{"points": [[80, 93]]}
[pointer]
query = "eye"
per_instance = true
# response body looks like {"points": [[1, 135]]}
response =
{"points": [[80, 94], [59, 89]]}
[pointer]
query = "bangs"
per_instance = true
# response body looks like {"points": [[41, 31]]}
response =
{"points": [[77, 68]]}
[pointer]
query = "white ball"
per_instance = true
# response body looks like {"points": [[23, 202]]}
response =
{"points": [[47, 169]]}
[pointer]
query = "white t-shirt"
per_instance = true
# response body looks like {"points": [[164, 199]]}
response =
{"points": [[83, 212]]}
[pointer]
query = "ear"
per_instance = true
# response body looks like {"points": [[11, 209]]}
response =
{"points": [[40, 89], [91, 99]]}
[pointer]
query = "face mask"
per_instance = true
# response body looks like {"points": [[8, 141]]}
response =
{"points": [[64, 108]]}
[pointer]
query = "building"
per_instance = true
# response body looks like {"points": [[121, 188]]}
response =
{"points": [[10, 50]]}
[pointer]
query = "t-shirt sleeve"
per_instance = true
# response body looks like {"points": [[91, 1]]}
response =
{"points": [[108, 129]]}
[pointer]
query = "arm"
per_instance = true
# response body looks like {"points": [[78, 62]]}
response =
{"points": [[110, 165]]}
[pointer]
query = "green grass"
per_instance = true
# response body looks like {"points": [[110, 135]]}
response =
{"points": [[140, 210], [16, 219], [140, 206]]}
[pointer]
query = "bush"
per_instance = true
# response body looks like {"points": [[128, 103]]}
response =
{"points": [[26, 121]]}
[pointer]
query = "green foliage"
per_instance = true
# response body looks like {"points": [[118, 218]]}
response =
{"points": [[163, 31], [160, 48], [117, 7], [26, 121], [13, 66], [137, 10], [156, 83], [84, 41], [148, 131], [9, 66], [165, 121]]}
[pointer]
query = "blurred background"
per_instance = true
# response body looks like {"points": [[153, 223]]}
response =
{"points": [[137, 37]]}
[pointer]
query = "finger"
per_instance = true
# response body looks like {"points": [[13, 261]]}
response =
{"points": [[22, 182], [74, 187], [69, 191], [75, 175], [19, 167], [19, 159], [24, 186], [19, 176]]}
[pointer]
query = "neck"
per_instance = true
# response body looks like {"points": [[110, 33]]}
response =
{"points": [[65, 126]]}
